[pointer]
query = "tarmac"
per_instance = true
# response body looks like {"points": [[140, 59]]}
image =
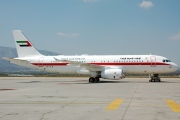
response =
{"points": [[61, 98]]}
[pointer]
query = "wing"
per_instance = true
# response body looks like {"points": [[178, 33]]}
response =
{"points": [[88, 66]]}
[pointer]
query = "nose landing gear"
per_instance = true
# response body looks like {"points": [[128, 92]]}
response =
{"points": [[155, 78]]}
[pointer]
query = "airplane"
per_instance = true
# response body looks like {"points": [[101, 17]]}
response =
{"points": [[111, 67]]}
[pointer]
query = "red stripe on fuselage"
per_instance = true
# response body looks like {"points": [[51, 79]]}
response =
{"points": [[130, 63], [105, 64], [50, 64]]}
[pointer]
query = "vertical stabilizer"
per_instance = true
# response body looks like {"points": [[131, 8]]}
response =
{"points": [[23, 46]]}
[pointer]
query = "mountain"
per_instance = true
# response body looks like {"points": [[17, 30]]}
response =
{"points": [[9, 52]]}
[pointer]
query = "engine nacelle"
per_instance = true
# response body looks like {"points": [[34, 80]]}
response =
{"points": [[113, 74]]}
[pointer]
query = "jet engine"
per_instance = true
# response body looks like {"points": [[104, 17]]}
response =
{"points": [[113, 74]]}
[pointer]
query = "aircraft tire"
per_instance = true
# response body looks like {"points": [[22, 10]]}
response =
{"points": [[156, 80], [96, 79], [91, 79]]}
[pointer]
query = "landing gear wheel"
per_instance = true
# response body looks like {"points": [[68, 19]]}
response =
{"points": [[155, 78], [91, 79], [96, 79], [158, 80]]}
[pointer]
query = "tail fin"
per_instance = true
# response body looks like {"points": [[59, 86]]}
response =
{"points": [[23, 46]]}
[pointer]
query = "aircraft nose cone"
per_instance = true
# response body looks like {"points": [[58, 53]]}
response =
{"points": [[175, 67]]}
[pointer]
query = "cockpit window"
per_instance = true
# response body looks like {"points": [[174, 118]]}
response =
{"points": [[166, 61], [169, 61]]}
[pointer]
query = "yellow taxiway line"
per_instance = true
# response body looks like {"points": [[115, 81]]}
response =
{"points": [[173, 105], [115, 104]]}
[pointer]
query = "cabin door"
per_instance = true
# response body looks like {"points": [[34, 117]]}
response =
{"points": [[153, 61], [40, 61]]}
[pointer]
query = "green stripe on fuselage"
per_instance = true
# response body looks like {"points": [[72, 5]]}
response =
{"points": [[21, 41]]}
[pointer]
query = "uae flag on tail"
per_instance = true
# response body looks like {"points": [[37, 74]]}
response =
{"points": [[24, 43]]}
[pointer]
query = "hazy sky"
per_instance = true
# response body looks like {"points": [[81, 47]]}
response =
{"points": [[95, 26]]}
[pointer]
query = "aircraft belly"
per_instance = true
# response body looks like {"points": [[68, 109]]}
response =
{"points": [[147, 69], [66, 69]]}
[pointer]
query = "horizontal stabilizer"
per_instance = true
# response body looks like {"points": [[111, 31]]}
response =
{"points": [[16, 61]]}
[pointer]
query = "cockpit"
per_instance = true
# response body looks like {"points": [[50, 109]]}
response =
{"points": [[166, 60]]}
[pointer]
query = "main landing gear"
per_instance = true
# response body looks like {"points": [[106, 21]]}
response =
{"points": [[94, 80], [155, 78]]}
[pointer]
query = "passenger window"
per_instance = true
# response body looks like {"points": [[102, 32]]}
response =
{"points": [[164, 61]]}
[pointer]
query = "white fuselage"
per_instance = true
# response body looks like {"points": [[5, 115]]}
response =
{"points": [[98, 66], [130, 64]]}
